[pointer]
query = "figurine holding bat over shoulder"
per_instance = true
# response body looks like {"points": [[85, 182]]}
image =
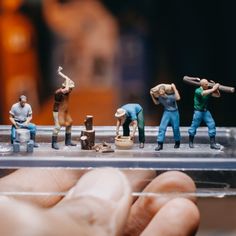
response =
{"points": [[202, 94]]}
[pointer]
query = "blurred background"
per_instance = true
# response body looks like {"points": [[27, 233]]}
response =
{"points": [[115, 51]]}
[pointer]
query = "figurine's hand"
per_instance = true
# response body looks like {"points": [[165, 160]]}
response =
{"points": [[59, 69], [216, 86], [16, 125]]}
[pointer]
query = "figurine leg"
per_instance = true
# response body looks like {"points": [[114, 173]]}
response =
{"points": [[16, 146], [213, 144], [32, 137], [54, 142], [30, 146], [177, 144], [68, 141], [159, 147], [141, 145], [191, 138], [141, 129]]}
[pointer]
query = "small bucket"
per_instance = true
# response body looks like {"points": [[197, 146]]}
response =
{"points": [[22, 135]]}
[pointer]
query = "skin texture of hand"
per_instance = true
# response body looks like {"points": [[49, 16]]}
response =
{"points": [[98, 202]]}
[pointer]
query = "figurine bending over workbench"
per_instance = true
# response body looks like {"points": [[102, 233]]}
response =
{"points": [[131, 113]]}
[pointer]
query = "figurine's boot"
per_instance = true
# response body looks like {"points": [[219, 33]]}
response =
{"points": [[159, 147], [32, 137], [68, 140], [141, 145], [177, 144], [213, 144], [191, 141], [54, 143]]}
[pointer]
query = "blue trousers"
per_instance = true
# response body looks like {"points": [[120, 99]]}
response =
{"points": [[172, 118], [31, 127], [200, 116]]}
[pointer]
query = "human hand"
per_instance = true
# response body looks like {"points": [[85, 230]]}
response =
{"points": [[99, 203]]}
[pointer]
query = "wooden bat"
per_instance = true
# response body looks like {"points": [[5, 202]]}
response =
{"points": [[196, 81]]}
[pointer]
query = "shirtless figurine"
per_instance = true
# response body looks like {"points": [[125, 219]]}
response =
{"points": [[61, 114]]}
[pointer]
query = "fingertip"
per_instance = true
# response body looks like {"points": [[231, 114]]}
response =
{"points": [[181, 213]]}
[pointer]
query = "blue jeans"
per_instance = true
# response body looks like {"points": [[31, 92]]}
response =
{"points": [[200, 116], [172, 118], [31, 127]]}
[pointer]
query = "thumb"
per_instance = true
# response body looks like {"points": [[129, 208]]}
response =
{"points": [[101, 200]]}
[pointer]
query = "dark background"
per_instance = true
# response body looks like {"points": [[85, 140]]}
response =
{"points": [[195, 38]]}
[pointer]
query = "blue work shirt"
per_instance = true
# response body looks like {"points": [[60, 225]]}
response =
{"points": [[132, 110]]}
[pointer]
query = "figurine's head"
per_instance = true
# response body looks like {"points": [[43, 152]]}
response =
{"points": [[120, 112], [204, 83], [161, 90], [22, 100], [120, 115]]}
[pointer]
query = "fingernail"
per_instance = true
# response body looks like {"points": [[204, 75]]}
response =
{"points": [[105, 183]]}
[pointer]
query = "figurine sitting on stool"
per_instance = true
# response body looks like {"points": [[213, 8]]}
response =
{"points": [[20, 117]]}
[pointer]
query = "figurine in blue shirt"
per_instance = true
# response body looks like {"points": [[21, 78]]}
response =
{"points": [[131, 114]]}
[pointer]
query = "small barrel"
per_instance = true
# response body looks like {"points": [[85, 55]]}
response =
{"points": [[22, 135]]}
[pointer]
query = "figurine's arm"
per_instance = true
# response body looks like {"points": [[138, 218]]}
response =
{"points": [[154, 93], [61, 74], [117, 127], [11, 118], [154, 99], [212, 91], [177, 96], [28, 119], [216, 93], [135, 125], [67, 79]]}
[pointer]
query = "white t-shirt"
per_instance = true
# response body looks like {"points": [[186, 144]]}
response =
{"points": [[20, 113]]}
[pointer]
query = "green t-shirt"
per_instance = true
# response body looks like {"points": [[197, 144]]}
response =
{"points": [[200, 102]]}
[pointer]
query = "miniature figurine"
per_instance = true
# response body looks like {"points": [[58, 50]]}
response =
{"points": [[20, 117], [60, 111], [167, 95], [201, 112], [131, 113]]}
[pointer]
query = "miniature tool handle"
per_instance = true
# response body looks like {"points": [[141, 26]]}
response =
{"points": [[196, 81]]}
